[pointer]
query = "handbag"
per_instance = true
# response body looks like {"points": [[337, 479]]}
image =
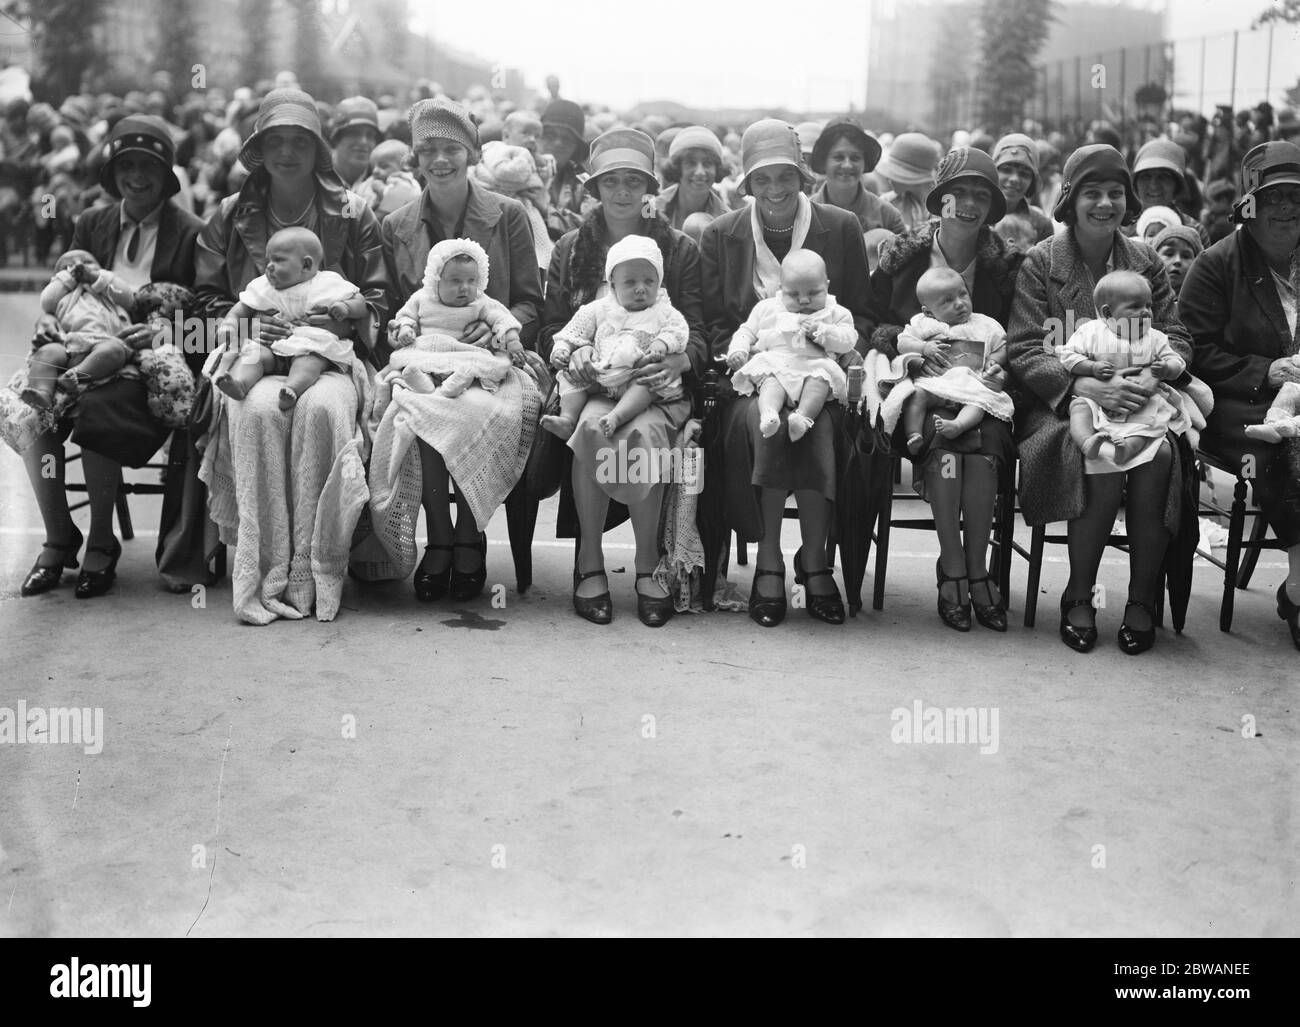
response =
{"points": [[545, 465]]}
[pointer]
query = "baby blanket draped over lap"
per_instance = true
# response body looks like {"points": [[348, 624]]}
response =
{"points": [[287, 489], [483, 437]]}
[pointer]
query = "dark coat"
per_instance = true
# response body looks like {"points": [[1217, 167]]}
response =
{"points": [[892, 298], [727, 266], [497, 223], [1238, 328], [1053, 293], [231, 250], [870, 210], [98, 228], [564, 295]]}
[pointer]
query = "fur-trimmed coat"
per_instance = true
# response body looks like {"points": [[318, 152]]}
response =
{"points": [[1053, 293], [904, 259]]}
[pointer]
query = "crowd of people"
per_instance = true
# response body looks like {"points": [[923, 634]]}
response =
{"points": [[407, 303]]}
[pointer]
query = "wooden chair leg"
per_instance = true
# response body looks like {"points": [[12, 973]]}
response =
{"points": [[1006, 530], [1035, 572], [1232, 560], [219, 563], [742, 553], [1251, 555], [124, 516]]}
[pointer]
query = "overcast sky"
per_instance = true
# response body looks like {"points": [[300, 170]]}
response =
{"points": [[810, 54]]}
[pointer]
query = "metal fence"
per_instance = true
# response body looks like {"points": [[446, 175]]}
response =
{"points": [[1236, 69]]}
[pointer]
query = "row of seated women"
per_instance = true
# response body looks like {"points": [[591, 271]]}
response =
{"points": [[314, 468]]}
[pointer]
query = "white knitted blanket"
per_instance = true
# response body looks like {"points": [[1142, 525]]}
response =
{"points": [[286, 490], [483, 437]]}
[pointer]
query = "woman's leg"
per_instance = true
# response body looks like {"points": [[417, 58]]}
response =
{"points": [[646, 516], [772, 502], [978, 498], [592, 505], [103, 481], [945, 476], [437, 511], [1087, 536], [45, 467], [1148, 489], [814, 527]]}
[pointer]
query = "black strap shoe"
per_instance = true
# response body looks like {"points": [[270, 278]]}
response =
{"points": [[597, 609], [1081, 640], [955, 614], [467, 586], [96, 583], [654, 611], [766, 611], [42, 579], [992, 615], [432, 587], [829, 609], [1133, 640]]}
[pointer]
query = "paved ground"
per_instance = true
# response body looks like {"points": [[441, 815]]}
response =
{"points": [[517, 771]]}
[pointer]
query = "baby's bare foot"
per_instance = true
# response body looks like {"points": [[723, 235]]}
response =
{"points": [[1092, 445], [608, 424], [564, 427], [949, 429], [37, 399], [915, 443], [288, 398], [230, 386]]}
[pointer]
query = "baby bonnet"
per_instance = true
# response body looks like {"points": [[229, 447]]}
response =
{"points": [[448, 248]]}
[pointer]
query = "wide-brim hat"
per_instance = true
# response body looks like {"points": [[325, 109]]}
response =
{"points": [[911, 160], [286, 108], [967, 163], [353, 112], [1267, 165], [1162, 155], [845, 128], [568, 115], [622, 149], [1090, 163], [139, 133], [1016, 148], [767, 143]]}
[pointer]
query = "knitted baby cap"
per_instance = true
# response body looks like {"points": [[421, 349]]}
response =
{"points": [[1166, 216], [448, 248], [634, 247]]}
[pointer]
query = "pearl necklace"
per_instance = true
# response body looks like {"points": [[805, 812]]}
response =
{"points": [[778, 231]]}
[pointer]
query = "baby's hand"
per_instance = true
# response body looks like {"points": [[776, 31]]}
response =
{"points": [[405, 336], [656, 351], [810, 331], [932, 349], [560, 356], [737, 359], [340, 310], [515, 349], [1104, 370]]}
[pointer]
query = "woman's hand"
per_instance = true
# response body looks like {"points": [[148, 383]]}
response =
{"points": [[936, 358], [1126, 393], [477, 333], [270, 328], [580, 368], [1282, 371], [137, 336], [47, 329], [995, 378], [319, 317], [655, 374]]}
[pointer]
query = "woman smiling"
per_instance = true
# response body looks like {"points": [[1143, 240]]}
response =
{"points": [[844, 153]]}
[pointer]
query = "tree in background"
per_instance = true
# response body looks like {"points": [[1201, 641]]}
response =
{"points": [[1287, 11], [950, 78], [179, 35], [63, 43], [1012, 33], [308, 58], [255, 16]]}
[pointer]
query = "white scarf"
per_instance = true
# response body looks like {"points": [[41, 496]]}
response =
{"points": [[767, 269]]}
